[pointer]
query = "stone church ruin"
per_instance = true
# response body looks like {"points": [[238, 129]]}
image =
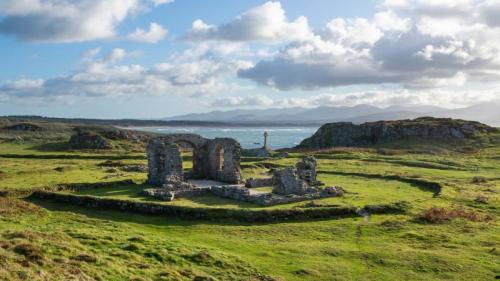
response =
{"points": [[213, 159], [216, 170]]}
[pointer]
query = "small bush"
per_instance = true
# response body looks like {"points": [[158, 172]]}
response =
{"points": [[440, 215]]}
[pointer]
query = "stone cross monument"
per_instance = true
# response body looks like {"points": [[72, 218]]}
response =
{"points": [[265, 139]]}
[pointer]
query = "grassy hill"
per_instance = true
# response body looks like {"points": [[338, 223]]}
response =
{"points": [[452, 235]]}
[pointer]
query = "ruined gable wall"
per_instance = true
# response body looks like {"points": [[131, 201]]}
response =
{"points": [[230, 171], [164, 162]]}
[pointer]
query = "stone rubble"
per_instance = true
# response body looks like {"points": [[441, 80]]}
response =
{"points": [[262, 182]]}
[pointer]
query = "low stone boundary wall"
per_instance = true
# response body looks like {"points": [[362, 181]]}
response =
{"points": [[270, 199], [436, 187], [244, 215]]}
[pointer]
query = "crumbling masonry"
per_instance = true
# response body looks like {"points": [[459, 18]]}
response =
{"points": [[219, 160], [215, 159]]}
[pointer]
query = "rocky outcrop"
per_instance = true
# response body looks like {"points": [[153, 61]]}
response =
{"points": [[349, 134], [88, 140], [24, 127]]}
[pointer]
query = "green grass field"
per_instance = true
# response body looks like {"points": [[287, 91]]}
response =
{"points": [[42, 240]]}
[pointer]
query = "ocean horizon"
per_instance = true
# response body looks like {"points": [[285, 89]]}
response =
{"points": [[249, 137]]}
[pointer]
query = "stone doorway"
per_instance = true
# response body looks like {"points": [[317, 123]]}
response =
{"points": [[188, 155]]}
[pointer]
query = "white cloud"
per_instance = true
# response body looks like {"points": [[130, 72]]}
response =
{"points": [[385, 98], [155, 34], [258, 100], [63, 20], [161, 2], [411, 43], [266, 23], [105, 77], [92, 53]]}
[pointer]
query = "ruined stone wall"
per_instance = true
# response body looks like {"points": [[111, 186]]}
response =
{"points": [[306, 170], [286, 182], [164, 162], [198, 144], [262, 182], [229, 171], [217, 159]]}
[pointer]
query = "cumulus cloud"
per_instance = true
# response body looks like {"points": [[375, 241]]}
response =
{"points": [[412, 43], [155, 34], [266, 23], [105, 77], [64, 21]]}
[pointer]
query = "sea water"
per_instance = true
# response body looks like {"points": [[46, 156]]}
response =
{"points": [[249, 137]]}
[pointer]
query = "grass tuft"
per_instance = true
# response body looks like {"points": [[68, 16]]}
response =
{"points": [[440, 215]]}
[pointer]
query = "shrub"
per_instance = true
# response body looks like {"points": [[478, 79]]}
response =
{"points": [[440, 215]]}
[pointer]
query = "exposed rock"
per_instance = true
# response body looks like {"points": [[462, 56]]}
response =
{"points": [[88, 140], [349, 134], [119, 134], [24, 127]]}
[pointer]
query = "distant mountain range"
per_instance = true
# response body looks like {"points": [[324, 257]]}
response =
{"points": [[488, 113]]}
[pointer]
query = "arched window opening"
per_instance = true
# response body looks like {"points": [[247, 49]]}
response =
{"points": [[220, 159], [187, 153]]}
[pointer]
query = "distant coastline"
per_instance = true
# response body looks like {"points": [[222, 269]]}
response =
{"points": [[129, 123]]}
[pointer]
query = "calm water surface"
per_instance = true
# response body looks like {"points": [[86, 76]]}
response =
{"points": [[249, 137]]}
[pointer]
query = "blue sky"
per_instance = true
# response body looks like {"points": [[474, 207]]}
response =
{"points": [[80, 58]]}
